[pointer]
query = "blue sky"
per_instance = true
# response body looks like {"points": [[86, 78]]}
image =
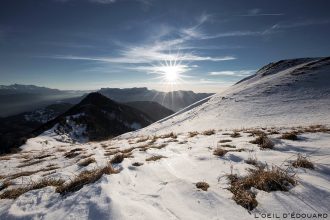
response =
{"points": [[89, 44]]}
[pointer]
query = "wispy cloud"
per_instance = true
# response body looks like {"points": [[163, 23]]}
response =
{"points": [[288, 25], [257, 12], [235, 73]]}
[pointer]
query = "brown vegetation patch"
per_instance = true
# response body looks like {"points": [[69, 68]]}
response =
{"points": [[193, 133], [5, 158], [84, 178], [73, 153], [275, 179], [142, 139], [30, 163], [128, 150], [226, 133], [235, 134], [137, 164], [29, 173], [219, 152], [5, 184], [263, 141], [43, 156], [16, 192], [111, 152], [169, 135], [154, 158], [118, 158], [209, 132], [303, 162], [228, 146], [87, 161], [225, 141], [315, 129], [202, 185], [159, 146], [290, 136]]}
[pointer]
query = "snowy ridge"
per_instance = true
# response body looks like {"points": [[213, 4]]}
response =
{"points": [[297, 94]]}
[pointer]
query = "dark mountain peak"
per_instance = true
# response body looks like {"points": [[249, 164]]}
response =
{"points": [[97, 99]]}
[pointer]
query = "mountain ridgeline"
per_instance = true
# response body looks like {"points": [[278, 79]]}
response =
{"points": [[175, 100], [89, 119], [96, 118]]}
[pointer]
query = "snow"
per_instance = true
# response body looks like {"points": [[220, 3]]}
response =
{"points": [[165, 188], [41, 115], [280, 99]]}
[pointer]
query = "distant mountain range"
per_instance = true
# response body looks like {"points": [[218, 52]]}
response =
{"points": [[16, 99], [96, 113], [175, 100]]}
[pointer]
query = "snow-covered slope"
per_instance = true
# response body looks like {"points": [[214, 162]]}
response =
{"points": [[289, 92], [158, 174]]}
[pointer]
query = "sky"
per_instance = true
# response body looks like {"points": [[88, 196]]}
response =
{"points": [[199, 45]]}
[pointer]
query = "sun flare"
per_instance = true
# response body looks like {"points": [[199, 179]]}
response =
{"points": [[171, 70]]}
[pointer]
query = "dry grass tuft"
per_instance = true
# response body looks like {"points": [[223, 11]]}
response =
{"points": [[290, 136], [144, 147], [315, 129], [153, 139], [226, 133], [87, 161], [43, 156], [202, 185], [209, 132], [154, 158], [5, 184], [142, 139], [159, 146], [84, 178], [169, 135], [73, 153], [5, 158], [228, 146], [128, 150], [263, 142], [60, 149], [235, 134], [275, 179], [118, 158], [256, 132], [16, 192], [193, 133], [24, 173], [225, 141], [303, 162], [111, 152], [137, 164], [30, 163], [219, 152]]}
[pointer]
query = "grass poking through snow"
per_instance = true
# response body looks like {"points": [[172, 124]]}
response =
{"points": [[87, 161], [275, 179], [84, 178], [290, 136], [303, 162], [202, 185], [219, 152], [154, 158], [263, 141], [209, 132]]}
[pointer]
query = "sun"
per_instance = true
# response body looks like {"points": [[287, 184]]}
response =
{"points": [[171, 69], [171, 73]]}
